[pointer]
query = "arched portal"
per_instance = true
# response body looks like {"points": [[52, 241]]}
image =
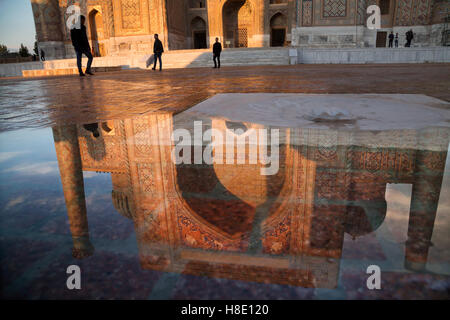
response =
{"points": [[237, 23], [97, 33], [198, 29], [278, 26]]}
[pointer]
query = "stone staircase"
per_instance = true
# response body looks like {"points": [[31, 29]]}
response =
{"points": [[237, 57], [171, 59], [229, 57]]}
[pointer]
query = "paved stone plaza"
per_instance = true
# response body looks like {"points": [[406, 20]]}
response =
{"points": [[47, 101]]}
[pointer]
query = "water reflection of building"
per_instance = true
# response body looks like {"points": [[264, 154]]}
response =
{"points": [[229, 221]]}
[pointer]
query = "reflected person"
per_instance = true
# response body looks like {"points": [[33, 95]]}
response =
{"points": [[93, 128]]}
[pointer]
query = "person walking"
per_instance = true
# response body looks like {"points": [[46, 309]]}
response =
{"points": [[158, 50], [217, 50], [81, 45], [396, 40], [42, 55], [391, 40]]}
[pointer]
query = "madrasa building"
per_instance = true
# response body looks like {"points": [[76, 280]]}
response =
{"points": [[126, 27]]}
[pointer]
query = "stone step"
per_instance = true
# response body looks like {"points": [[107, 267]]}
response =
{"points": [[228, 60], [208, 63], [241, 57], [198, 59], [61, 72]]}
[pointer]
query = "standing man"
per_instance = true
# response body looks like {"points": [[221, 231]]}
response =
{"points": [[391, 40], [81, 44], [217, 49], [158, 51], [42, 55], [396, 40], [409, 37]]}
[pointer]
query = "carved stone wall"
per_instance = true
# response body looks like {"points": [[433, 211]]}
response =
{"points": [[131, 17]]}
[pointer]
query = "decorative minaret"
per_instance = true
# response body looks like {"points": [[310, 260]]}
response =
{"points": [[49, 28]]}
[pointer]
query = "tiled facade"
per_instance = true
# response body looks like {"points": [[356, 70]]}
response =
{"points": [[123, 27]]}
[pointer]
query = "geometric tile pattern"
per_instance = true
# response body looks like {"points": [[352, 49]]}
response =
{"points": [[403, 15], [413, 12], [334, 8], [422, 10], [131, 11], [307, 12]]}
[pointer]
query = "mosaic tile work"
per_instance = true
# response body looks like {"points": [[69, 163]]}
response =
{"points": [[307, 12], [412, 12], [334, 8]]}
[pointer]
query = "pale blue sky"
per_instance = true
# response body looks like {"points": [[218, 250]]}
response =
{"points": [[17, 24]]}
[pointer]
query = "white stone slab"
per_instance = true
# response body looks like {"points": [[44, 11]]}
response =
{"points": [[376, 112]]}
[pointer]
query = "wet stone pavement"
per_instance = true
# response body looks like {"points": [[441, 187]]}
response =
{"points": [[370, 189], [61, 100]]}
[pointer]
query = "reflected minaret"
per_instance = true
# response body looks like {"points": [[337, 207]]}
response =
{"points": [[429, 172], [70, 167]]}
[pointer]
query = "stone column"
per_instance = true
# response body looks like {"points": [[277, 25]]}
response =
{"points": [[70, 168]]}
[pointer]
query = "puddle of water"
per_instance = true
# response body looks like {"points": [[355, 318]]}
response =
{"points": [[292, 212]]}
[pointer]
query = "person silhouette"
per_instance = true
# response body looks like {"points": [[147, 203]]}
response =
{"points": [[158, 50], [391, 40], [217, 49], [81, 45], [409, 38]]}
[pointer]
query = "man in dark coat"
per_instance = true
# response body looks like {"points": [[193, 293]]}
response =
{"points": [[217, 49], [391, 40], [409, 38], [158, 51], [81, 44]]}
